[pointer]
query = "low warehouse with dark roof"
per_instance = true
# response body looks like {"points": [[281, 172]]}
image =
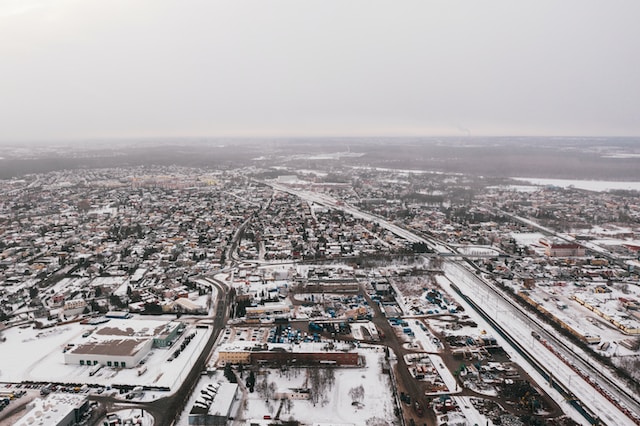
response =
{"points": [[122, 343]]}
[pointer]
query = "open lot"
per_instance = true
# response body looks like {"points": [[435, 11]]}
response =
{"points": [[333, 405], [37, 356]]}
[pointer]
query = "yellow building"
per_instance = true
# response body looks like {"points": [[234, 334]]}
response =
{"points": [[234, 356]]}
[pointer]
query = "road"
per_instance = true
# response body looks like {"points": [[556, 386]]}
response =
{"points": [[166, 409], [406, 382], [520, 326], [587, 394]]}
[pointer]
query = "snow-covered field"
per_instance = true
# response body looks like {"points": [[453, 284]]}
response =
{"points": [[589, 185], [335, 404], [528, 238]]}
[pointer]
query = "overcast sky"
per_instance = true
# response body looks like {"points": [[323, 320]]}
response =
{"points": [[145, 68]]}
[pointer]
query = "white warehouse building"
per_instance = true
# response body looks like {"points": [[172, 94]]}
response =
{"points": [[122, 343]]}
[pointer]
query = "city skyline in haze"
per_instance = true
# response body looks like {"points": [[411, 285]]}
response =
{"points": [[90, 69]]}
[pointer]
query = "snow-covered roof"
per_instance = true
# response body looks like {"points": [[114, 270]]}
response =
{"points": [[224, 398], [133, 328], [116, 347], [187, 304], [123, 337], [52, 410], [302, 347], [108, 281]]}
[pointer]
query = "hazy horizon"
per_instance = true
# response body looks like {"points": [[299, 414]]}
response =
{"points": [[565, 158], [86, 70], [285, 139]]}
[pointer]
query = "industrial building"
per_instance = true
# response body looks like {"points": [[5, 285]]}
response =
{"points": [[214, 406], [304, 354], [122, 343], [559, 248], [268, 310], [57, 409]]}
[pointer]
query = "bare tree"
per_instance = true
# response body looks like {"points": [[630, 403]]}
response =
{"points": [[357, 393], [376, 421], [320, 381], [288, 405], [271, 390], [313, 378], [262, 388]]}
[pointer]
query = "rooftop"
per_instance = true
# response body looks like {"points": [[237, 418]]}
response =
{"points": [[133, 328], [119, 347], [122, 337], [223, 400], [52, 410]]}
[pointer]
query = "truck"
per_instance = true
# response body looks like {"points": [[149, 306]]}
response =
{"points": [[136, 392], [112, 420], [45, 390], [418, 409], [95, 369], [314, 327]]}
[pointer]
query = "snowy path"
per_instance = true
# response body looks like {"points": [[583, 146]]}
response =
{"points": [[470, 412]]}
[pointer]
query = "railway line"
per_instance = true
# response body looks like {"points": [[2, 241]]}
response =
{"points": [[614, 394], [591, 367]]}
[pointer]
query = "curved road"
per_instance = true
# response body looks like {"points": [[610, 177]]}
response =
{"points": [[166, 409]]}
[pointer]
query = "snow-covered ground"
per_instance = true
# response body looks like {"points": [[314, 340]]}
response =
{"points": [[557, 299], [445, 374], [521, 331], [335, 405], [427, 340], [528, 239], [589, 185], [478, 250], [136, 415], [36, 355], [377, 401]]}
